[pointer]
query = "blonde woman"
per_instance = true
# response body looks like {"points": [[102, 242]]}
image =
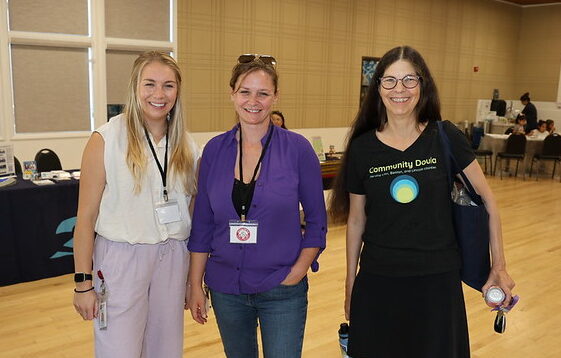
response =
{"points": [[137, 180]]}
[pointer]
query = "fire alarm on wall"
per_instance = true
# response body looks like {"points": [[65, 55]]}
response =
{"points": [[475, 68]]}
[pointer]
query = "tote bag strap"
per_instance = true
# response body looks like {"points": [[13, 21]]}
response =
{"points": [[444, 143], [453, 167]]}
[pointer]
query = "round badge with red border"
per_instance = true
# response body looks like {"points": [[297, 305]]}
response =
{"points": [[243, 234]]}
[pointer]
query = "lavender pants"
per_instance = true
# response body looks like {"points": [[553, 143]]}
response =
{"points": [[145, 298]]}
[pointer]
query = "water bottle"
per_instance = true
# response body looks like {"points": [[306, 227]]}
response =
{"points": [[461, 197], [495, 295], [344, 339]]}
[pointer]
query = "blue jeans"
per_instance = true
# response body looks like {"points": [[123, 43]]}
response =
{"points": [[281, 312]]}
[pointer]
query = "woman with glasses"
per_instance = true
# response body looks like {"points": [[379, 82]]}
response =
{"points": [[393, 192], [137, 180], [246, 239]]}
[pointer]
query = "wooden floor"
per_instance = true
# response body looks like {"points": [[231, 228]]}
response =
{"points": [[37, 318]]}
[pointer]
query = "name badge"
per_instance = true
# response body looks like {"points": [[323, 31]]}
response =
{"points": [[243, 232], [168, 212]]}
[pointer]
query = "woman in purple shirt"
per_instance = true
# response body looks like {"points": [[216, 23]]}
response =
{"points": [[246, 239]]}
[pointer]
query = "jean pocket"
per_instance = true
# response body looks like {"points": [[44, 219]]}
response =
{"points": [[282, 292], [302, 282], [294, 285]]}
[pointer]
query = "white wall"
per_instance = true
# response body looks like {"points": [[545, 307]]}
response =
{"points": [[549, 110], [546, 110], [69, 150]]}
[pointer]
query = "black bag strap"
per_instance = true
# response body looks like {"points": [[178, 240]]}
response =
{"points": [[453, 167]]}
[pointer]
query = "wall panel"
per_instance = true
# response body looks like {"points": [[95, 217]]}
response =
{"points": [[319, 45], [539, 53]]}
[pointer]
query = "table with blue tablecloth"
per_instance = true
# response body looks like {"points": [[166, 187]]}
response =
{"points": [[36, 230]]}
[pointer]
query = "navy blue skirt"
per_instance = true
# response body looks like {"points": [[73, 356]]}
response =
{"points": [[404, 317]]}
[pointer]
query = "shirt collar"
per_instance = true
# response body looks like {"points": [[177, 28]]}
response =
{"points": [[234, 130]]}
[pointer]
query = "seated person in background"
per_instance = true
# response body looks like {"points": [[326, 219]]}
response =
{"points": [[550, 126], [519, 127], [541, 132], [278, 119]]}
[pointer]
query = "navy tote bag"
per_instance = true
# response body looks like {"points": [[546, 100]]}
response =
{"points": [[471, 224]]}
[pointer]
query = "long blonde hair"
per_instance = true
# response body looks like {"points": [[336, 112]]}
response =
{"points": [[181, 163]]}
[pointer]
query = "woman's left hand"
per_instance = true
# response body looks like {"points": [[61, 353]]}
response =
{"points": [[293, 277], [499, 278]]}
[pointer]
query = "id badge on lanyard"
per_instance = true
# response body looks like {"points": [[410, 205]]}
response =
{"points": [[243, 232], [102, 302], [168, 212]]}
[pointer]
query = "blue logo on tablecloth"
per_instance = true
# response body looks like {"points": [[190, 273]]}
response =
{"points": [[65, 226]]}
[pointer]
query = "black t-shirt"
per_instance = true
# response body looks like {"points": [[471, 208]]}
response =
{"points": [[408, 208], [531, 114], [241, 191]]}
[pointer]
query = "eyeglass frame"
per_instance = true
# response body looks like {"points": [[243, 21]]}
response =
{"points": [[258, 57], [417, 77]]}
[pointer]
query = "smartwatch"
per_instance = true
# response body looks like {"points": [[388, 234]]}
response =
{"points": [[81, 277]]}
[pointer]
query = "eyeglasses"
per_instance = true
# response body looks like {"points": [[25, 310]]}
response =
{"points": [[409, 81], [266, 59]]}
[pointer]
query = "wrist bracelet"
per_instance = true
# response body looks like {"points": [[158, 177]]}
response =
{"points": [[84, 291]]}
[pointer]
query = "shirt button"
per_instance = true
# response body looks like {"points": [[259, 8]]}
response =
{"points": [[254, 205], [237, 268]]}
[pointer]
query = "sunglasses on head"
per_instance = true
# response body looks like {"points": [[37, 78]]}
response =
{"points": [[266, 59]]}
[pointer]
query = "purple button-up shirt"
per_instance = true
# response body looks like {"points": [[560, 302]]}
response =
{"points": [[290, 174]]}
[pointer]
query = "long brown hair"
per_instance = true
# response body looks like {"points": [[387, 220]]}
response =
{"points": [[181, 163], [372, 116]]}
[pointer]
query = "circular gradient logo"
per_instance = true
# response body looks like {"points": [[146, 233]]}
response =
{"points": [[404, 189]]}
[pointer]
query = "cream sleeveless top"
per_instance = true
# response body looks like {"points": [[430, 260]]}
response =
{"points": [[125, 216]]}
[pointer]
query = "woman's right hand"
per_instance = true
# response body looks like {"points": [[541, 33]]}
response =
{"points": [[86, 304], [347, 307], [197, 304]]}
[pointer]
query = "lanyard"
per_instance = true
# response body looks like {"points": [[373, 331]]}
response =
{"points": [[246, 194], [163, 172]]}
